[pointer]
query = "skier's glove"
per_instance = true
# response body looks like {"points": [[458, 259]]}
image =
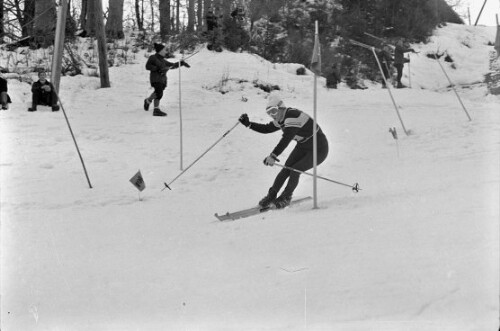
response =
{"points": [[270, 160], [185, 64], [244, 120]]}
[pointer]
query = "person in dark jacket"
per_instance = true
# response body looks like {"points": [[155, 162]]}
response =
{"points": [[158, 67], [296, 125], [4, 95], [384, 55], [400, 60], [43, 93], [211, 19]]}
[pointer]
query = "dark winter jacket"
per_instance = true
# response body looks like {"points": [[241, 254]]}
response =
{"points": [[158, 67], [211, 21], [37, 87], [399, 57], [384, 54], [296, 125], [3, 85]]}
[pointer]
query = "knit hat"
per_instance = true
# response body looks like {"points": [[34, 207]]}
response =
{"points": [[274, 100], [158, 47]]}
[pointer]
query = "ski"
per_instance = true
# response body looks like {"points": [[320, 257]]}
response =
{"points": [[254, 211]]}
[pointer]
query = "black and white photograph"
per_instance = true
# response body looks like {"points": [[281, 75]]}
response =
{"points": [[250, 165]]}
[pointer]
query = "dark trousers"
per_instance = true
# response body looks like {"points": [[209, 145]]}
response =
{"points": [[44, 99], [300, 159], [159, 88], [399, 68]]}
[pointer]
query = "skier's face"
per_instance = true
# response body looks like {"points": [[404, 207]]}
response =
{"points": [[273, 112], [43, 77]]}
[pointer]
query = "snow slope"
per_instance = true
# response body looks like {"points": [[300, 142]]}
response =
{"points": [[416, 249]]}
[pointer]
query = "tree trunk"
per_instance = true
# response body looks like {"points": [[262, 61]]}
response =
{"points": [[83, 16], [177, 16], [199, 16], [191, 16], [114, 24], [207, 4], [91, 19], [138, 15], [164, 8], [27, 18], [45, 22], [152, 16], [101, 43]]}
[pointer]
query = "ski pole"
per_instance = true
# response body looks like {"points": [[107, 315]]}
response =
{"points": [[354, 187], [213, 145]]}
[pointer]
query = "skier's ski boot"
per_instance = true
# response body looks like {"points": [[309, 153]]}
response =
{"points": [[282, 201], [268, 199]]}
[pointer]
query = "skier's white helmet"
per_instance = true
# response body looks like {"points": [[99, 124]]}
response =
{"points": [[274, 102]]}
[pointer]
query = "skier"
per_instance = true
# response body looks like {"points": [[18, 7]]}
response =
{"points": [[43, 93], [158, 67], [296, 125], [3, 94], [400, 60]]}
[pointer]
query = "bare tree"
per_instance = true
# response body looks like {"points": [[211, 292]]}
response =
{"points": [[199, 16], [152, 2], [83, 15], [1, 22], [164, 8], [90, 18], [207, 4], [45, 22], [177, 16], [101, 43], [139, 14], [114, 24], [191, 15]]}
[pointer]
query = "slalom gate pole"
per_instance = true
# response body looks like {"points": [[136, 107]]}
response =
{"points": [[354, 187], [389, 89], [213, 145], [74, 140], [453, 87], [409, 70]]}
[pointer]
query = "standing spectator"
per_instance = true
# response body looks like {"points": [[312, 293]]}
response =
{"points": [[3, 94], [384, 55], [211, 19], [400, 60], [158, 67], [43, 93]]}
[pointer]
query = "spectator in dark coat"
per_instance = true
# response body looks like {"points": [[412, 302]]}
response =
{"points": [[158, 67], [4, 96], [384, 55], [211, 19], [400, 60], [43, 93]]}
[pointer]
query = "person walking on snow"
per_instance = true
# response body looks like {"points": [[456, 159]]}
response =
{"points": [[158, 67], [296, 125]]}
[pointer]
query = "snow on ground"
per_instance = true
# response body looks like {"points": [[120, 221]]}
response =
{"points": [[416, 249]]}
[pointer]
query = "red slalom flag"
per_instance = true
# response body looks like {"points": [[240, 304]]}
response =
{"points": [[316, 57], [138, 181]]}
